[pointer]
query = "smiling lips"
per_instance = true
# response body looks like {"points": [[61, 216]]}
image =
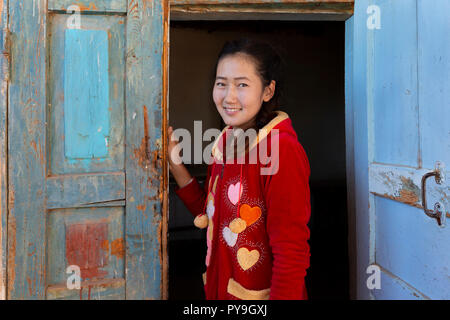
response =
{"points": [[231, 110]]}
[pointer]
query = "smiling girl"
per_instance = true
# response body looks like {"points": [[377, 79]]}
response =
{"points": [[257, 223]]}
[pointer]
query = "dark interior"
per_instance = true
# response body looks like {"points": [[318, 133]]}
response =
{"points": [[313, 52]]}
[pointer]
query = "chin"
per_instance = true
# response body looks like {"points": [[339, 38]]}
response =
{"points": [[233, 122]]}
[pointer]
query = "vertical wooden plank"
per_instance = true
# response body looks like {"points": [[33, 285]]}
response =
{"points": [[412, 247], [434, 81], [4, 71], [165, 126], [350, 155], [361, 147], [26, 143], [144, 178], [396, 135]]}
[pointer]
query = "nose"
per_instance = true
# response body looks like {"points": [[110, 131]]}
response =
{"points": [[230, 97]]}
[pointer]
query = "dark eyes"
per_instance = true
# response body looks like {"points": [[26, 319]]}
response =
{"points": [[221, 84]]}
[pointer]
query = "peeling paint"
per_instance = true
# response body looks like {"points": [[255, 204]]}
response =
{"points": [[83, 7], [118, 248], [84, 244], [11, 251], [408, 197], [403, 184], [410, 192]]}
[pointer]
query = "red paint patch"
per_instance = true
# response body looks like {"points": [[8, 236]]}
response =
{"points": [[85, 245]]}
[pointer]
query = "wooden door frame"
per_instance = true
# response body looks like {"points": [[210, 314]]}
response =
{"points": [[337, 10], [4, 77], [300, 10]]}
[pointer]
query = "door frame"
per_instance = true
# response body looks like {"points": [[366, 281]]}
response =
{"points": [[4, 78], [299, 10], [334, 10], [337, 10]]}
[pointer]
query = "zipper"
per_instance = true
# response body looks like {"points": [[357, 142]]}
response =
{"points": [[221, 172]]}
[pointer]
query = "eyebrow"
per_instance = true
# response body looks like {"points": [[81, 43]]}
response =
{"points": [[237, 78]]}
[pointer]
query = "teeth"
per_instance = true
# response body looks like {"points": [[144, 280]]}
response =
{"points": [[231, 108]]}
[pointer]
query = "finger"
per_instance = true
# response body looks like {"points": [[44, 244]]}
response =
{"points": [[173, 138]]}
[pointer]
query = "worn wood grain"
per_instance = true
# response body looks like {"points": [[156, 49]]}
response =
{"points": [[253, 2], [403, 184], [4, 71], [434, 81], [65, 78], [91, 238], [26, 145], [165, 162], [101, 189], [412, 247], [109, 289], [359, 90], [395, 86], [86, 181], [350, 156], [90, 5], [86, 116], [390, 118], [144, 91], [261, 9]]}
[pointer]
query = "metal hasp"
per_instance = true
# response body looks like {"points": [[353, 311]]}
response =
{"points": [[439, 210]]}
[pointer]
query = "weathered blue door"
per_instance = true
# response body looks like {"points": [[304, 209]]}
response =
{"points": [[85, 110], [398, 117]]}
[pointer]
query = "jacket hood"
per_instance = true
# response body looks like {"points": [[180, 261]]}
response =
{"points": [[281, 122]]}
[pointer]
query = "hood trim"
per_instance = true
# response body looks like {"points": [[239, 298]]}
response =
{"points": [[263, 133]]}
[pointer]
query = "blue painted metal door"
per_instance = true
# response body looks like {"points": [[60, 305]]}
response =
{"points": [[85, 129], [398, 113]]}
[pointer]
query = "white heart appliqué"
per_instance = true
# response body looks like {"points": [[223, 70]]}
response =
{"points": [[210, 209], [233, 192], [229, 236]]}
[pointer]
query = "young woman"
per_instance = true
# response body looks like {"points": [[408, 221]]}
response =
{"points": [[257, 220]]}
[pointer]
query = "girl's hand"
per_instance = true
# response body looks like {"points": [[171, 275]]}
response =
{"points": [[173, 148], [176, 166]]}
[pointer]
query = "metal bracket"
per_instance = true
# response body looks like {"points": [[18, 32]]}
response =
{"points": [[438, 212]]}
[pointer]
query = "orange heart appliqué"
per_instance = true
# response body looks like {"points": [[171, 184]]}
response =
{"points": [[249, 214]]}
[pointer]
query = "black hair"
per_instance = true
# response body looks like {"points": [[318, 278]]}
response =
{"points": [[269, 67]]}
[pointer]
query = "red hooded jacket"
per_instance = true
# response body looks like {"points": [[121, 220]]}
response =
{"points": [[257, 222]]}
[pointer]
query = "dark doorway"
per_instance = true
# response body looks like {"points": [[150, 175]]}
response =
{"points": [[314, 54]]}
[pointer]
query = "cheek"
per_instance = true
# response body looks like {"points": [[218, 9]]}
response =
{"points": [[217, 96], [250, 99]]}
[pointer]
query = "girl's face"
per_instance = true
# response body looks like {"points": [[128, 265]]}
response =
{"points": [[238, 91]]}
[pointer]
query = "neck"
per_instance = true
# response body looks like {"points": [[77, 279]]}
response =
{"points": [[245, 126]]}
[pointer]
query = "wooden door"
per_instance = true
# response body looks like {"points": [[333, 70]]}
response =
{"points": [[86, 182], [398, 117]]}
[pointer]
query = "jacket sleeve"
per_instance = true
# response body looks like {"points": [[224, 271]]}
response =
{"points": [[192, 194], [288, 212]]}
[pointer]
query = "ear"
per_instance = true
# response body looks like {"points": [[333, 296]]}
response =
{"points": [[269, 91]]}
